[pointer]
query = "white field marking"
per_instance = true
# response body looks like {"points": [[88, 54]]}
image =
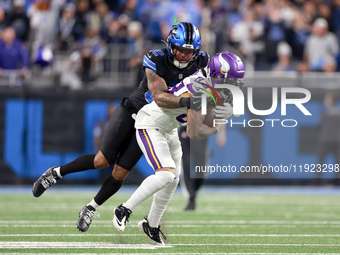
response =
{"points": [[260, 213], [78, 245], [252, 253], [266, 200], [175, 235], [261, 244], [241, 212], [102, 245], [200, 222], [180, 226]]}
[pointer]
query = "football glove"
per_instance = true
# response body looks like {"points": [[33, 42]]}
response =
{"points": [[223, 111], [196, 101]]}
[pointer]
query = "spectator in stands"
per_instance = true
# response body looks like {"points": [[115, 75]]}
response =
{"points": [[85, 62], [233, 15], [218, 23], [44, 16], [129, 9], [67, 27], [83, 19], [94, 3], [118, 29], [103, 17], [70, 73], [321, 49], [147, 16], [6, 5], [336, 17], [297, 35], [325, 11], [135, 50], [13, 54], [186, 10], [309, 11], [3, 20], [247, 38], [274, 32], [97, 47], [284, 53], [260, 10], [135, 43], [19, 20], [287, 11]]}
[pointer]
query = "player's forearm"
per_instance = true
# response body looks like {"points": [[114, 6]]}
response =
{"points": [[202, 131], [195, 128], [167, 100], [159, 91]]}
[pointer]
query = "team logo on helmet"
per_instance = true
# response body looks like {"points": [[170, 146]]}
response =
{"points": [[225, 67]]}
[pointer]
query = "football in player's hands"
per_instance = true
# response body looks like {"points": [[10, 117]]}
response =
{"points": [[209, 117], [223, 111]]}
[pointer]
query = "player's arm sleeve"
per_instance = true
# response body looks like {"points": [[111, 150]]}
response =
{"points": [[159, 91], [195, 127], [157, 86]]}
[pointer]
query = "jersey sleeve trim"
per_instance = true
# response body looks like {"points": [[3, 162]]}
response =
{"points": [[149, 64]]}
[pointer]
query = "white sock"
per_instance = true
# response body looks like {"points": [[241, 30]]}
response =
{"points": [[148, 187], [93, 204], [57, 170], [160, 202]]}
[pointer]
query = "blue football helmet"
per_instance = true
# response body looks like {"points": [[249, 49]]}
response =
{"points": [[184, 36]]}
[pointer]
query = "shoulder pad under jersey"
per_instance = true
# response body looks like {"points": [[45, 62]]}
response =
{"points": [[152, 58]]}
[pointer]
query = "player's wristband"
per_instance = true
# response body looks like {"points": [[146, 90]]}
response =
{"points": [[184, 102]]}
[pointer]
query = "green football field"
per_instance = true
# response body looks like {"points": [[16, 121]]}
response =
{"points": [[227, 221]]}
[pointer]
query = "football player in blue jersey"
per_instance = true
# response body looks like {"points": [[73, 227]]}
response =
{"points": [[163, 68]]}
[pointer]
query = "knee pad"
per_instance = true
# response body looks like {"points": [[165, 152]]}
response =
{"points": [[165, 176]]}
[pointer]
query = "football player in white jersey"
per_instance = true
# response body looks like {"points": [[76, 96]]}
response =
{"points": [[156, 131]]}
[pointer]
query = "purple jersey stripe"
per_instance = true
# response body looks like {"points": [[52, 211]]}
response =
{"points": [[149, 149]]}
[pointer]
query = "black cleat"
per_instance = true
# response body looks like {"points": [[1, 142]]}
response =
{"points": [[121, 216], [85, 218], [190, 206], [152, 233], [45, 181]]}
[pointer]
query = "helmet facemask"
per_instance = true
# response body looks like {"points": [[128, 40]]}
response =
{"points": [[180, 49], [183, 37]]}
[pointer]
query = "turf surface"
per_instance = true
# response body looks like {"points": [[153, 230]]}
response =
{"points": [[225, 222]]}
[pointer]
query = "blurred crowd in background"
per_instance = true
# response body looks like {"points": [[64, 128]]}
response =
{"points": [[280, 35]]}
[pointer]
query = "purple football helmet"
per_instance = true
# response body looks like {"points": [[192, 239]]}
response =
{"points": [[226, 67]]}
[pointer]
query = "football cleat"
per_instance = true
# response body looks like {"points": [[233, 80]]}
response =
{"points": [[121, 216], [191, 205], [152, 233], [85, 217], [45, 181]]}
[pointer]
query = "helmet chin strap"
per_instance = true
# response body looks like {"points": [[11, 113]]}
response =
{"points": [[179, 64]]}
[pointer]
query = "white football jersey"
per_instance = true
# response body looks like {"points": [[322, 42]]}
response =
{"points": [[153, 116]]}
